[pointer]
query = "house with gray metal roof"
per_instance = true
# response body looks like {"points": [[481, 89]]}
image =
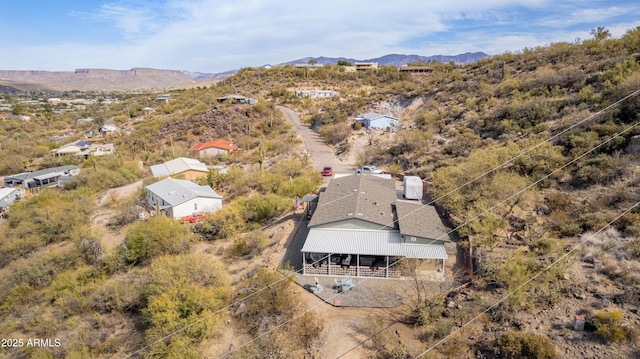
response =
{"points": [[178, 198], [360, 227], [8, 196], [41, 178], [377, 120], [182, 168]]}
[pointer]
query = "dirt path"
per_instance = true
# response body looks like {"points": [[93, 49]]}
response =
{"points": [[106, 209]]}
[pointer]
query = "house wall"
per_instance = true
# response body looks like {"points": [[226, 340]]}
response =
{"points": [[421, 240], [381, 122], [351, 224], [213, 152], [189, 175], [208, 205]]}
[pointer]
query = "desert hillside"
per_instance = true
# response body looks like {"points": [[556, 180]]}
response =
{"points": [[532, 159]]}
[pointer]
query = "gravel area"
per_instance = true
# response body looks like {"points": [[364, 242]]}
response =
{"points": [[369, 292]]}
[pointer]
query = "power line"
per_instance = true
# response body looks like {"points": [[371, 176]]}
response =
{"points": [[458, 227], [527, 281], [431, 202], [542, 179]]}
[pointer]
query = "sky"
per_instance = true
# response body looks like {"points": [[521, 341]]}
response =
{"points": [[214, 36]]}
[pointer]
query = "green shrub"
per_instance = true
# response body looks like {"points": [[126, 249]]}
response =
{"points": [[262, 208], [249, 244], [517, 345], [272, 303], [159, 235], [610, 326]]}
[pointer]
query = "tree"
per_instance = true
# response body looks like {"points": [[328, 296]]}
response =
{"points": [[600, 33]]}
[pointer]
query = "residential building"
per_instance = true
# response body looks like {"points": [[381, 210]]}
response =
{"points": [[377, 121], [8, 196], [163, 98], [366, 66], [101, 149], [360, 227], [178, 198], [214, 148], [316, 93], [73, 148], [237, 99], [105, 129], [415, 69], [41, 178], [184, 168]]}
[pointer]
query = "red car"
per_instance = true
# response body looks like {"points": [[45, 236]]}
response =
{"points": [[327, 171], [193, 218]]}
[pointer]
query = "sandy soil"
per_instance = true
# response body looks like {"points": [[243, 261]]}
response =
{"points": [[106, 209]]}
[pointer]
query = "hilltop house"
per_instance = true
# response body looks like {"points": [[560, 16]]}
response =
{"points": [[106, 129], [184, 168], [85, 149], [377, 120], [237, 99], [177, 198], [217, 147], [41, 178], [100, 149], [316, 93], [73, 148], [366, 66], [360, 227]]}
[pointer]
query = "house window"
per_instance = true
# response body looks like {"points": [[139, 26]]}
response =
{"points": [[413, 239], [195, 206]]}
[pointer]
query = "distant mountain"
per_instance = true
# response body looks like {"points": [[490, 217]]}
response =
{"points": [[100, 79], [398, 59], [141, 78]]}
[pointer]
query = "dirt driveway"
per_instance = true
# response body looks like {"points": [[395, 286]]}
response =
{"points": [[321, 154]]}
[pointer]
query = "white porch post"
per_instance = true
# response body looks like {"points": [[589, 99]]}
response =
{"points": [[329, 264], [386, 273], [304, 262], [357, 265]]}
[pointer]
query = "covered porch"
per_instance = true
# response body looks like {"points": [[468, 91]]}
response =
{"points": [[370, 253]]}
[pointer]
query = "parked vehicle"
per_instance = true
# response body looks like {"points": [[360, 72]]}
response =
{"points": [[369, 169], [196, 217], [327, 171]]}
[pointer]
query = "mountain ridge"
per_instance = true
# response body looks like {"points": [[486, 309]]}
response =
{"points": [[398, 59], [146, 78]]}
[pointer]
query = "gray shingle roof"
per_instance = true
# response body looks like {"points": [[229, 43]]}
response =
{"points": [[175, 191], [365, 197], [418, 220]]}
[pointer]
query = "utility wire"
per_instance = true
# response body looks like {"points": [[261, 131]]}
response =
{"points": [[179, 330], [458, 227], [527, 281]]}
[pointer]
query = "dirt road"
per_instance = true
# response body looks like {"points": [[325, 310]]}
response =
{"points": [[321, 154]]}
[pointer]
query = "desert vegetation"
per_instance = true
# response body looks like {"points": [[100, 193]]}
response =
{"points": [[531, 154]]}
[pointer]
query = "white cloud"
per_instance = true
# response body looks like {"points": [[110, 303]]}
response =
{"points": [[214, 35]]}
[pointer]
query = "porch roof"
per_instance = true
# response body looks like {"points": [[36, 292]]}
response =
{"points": [[369, 242]]}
